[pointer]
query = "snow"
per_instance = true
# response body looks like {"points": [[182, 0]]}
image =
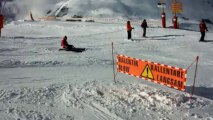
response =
{"points": [[39, 82]]}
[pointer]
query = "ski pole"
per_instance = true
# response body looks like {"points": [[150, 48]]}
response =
{"points": [[133, 33]]}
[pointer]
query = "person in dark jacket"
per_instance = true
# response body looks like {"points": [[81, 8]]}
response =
{"points": [[65, 45], [129, 30], [144, 26], [203, 30]]}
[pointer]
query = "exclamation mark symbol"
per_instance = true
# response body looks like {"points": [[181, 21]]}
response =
{"points": [[147, 70], [147, 73]]}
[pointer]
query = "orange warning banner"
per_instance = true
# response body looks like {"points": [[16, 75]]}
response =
{"points": [[159, 73]]}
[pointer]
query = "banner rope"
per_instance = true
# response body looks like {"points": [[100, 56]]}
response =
{"points": [[191, 64], [193, 86]]}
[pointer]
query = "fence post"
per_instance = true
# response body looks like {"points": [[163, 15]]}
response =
{"points": [[194, 77], [113, 62]]}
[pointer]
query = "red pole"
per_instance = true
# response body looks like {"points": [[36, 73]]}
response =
{"points": [[193, 87], [113, 63], [1, 22], [163, 16], [175, 22]]}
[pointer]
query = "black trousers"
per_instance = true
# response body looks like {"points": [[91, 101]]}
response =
{"points": [[129, 34], [69, 47], [202, 36], [144, 32]]}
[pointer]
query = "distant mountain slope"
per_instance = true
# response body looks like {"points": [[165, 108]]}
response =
{"points": [[195, 9], [108, 8]]}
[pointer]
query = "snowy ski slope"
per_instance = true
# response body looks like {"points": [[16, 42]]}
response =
{"points": [[39, 82]]}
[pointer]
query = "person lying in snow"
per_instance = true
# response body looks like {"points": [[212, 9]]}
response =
{"points": [[68, 47], [65, 45]]}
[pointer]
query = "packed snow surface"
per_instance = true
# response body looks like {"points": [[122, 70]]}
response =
{"points": [[39, 82]]}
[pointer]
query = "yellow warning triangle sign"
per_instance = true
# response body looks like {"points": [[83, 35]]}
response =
{"points": [[147, 73]]}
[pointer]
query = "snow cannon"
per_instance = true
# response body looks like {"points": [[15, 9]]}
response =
{"points": [[175, 22], [163, 17], [1, 23], [162, 5]]}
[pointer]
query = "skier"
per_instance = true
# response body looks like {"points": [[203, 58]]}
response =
{"points": [[129, 30], [144, 26], [65, 44], [203, 30], [68, 47]]}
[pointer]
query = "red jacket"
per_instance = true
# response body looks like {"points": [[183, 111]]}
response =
{"points": [[129, 27], [64, 43], [203, 27]]}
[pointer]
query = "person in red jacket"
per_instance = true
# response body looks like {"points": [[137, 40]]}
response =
{"points": [[203, 30], [64, 43], [129, 30], [144, 26]]}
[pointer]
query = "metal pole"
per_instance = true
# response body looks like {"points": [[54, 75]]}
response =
{"points": [[113, 63], [133, 34], [163, 3], [3, 7], [193, 87]]}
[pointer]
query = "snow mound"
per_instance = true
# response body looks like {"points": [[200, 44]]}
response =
{"points": [[108, 101], [128, 101], [26, 95], [31, 103]]}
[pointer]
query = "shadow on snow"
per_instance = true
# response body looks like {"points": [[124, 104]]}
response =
{"points": [[207, 41], [165, 36], [201, 91]]}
